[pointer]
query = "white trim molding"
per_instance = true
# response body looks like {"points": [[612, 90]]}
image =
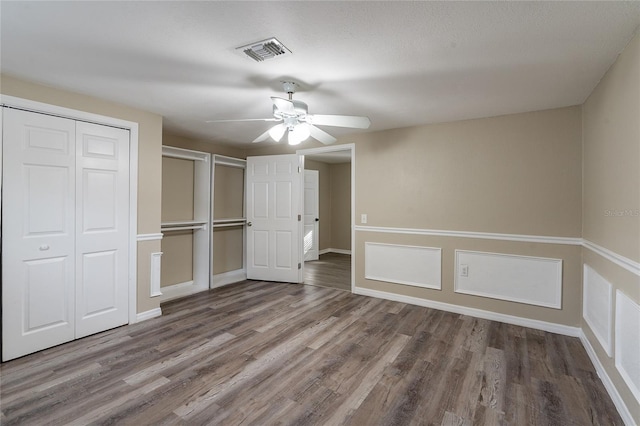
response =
{"points": [[180, 290], [334, 250], [623, 262], [185, 154], [597, 307], [478, 235], [416, 266], [226, 278], [515, 278], [622, 408], [156, 267], [627, 346], [352, 148], [149, 237], [153, 313], [478, 313]]}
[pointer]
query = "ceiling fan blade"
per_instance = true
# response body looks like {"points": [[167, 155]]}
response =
{"points": [[263, 137], [339, 121], [276, 133], [284, 105], [321, 135], [242, 119]]}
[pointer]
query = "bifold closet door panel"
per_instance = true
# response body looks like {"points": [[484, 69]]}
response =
{"points": [[102, 228], [38, 238]]}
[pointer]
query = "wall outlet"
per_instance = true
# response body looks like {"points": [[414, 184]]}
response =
{"points": [[363, 218], [464, 270]]}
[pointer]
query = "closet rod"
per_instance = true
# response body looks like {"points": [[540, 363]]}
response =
{"points": [[239, 219], [228, 225], [183, 228]]}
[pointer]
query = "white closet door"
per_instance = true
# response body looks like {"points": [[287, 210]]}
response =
{"points": [[102, 228], [273, 209], [37, 232]]}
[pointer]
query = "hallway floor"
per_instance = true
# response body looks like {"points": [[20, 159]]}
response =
{"points": [[332, 270]]}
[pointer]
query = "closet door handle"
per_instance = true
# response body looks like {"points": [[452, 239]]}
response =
{"points": [[249, 224], [317, 219]]}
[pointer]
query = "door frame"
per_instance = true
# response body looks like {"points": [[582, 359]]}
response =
{"points": [[132, 127], [351, 147], [316, 224]]}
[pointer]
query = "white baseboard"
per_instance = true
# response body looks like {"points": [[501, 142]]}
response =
{"points": [[334, 250], [230, 277], [153, 313], [181, 290], [478, 313], [623, 410]]}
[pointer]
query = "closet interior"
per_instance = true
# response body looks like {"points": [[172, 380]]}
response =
{"points": [[202, 221], [228, 221]]}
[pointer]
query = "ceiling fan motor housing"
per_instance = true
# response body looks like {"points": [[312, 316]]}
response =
{"points": [[289, 87]]}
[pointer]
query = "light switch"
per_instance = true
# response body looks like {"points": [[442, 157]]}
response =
{"points": [[363, 218]]}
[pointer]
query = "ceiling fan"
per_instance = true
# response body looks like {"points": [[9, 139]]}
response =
{"points": [[294, 119]]}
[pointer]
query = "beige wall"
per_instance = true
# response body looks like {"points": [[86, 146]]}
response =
{"points": [[228, 192], [611, 190], [513, 174], [177, 258], [177, 189], [149, 163], [611, 120], [517, 174], [341, 206], [228, 249]]}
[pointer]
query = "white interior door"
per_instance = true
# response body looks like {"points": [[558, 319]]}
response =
{"points": [[311, 214], [38, 223], [65, 230], [274, 216], [102, 228]]}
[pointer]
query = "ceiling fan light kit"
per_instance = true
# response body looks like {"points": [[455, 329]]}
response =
{"points": [[295, 119]]}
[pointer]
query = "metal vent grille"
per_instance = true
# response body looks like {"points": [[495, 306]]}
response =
{"points": [[265, 49]]}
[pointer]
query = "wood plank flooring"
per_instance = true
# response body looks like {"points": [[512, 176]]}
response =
{"points": [[259, 353], [330, 270]]}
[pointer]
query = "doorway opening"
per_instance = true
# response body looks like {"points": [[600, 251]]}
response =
{"points": [[328, 237]]}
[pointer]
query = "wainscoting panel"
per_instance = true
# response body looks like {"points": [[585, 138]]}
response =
{"points": [[597, 308], [409, 265], [627, 343], [156, 262], [531, 280]]}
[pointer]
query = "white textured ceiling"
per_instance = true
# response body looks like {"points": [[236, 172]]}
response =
{"points": [[400, 63]]}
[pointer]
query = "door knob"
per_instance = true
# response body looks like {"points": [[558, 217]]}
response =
{"points": [[317, 219], [249, 223], [44, 247]]}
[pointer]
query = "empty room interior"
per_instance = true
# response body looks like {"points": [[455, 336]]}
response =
{"points": [[320, 213]]}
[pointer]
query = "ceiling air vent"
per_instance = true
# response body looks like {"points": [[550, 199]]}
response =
{"points": [[265, 49]]}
